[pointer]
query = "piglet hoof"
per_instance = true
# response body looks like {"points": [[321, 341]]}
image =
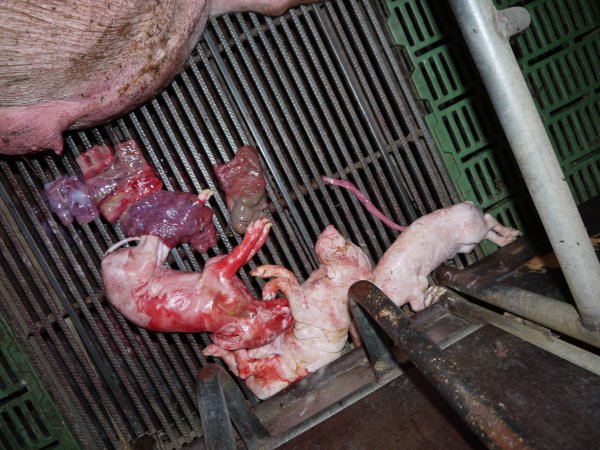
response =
{"points": [[258, 226], [213, 350], [228, 357], [282, 280], [275, 286], [274, 271], [504, 238], [259, 272], [499, 234], [433, 294], [259, 231]]}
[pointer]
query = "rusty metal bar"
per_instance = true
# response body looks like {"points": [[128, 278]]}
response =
{"points": [[220, 402], [487, 420], [380, 356]]}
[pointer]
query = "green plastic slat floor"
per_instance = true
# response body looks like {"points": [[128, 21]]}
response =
{"points": [[29, 419], [559, 55]]}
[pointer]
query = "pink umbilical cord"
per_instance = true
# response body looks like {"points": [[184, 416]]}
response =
{"points": [[364, 200]]}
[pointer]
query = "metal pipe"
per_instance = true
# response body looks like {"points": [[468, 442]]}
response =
{"points": [[486, 31], [540, 338], [490, 423], [221, 402], [381, 358], [546, 311]]}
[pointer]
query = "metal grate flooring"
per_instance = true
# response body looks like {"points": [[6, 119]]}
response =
{"points": [[318, 91]]}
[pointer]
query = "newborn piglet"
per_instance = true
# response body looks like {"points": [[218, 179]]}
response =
{"points": [[321, 318], [429, 241], [155, 297]]}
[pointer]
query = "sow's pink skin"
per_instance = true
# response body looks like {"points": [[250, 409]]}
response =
{"points": [[430, 241], [321, 318], [161, 299], [73, 64]]}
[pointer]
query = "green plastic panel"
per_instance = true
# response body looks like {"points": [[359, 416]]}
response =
{"points": [[559, 55], [29, 419]]}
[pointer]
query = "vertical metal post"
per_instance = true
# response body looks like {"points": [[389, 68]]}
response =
{"points": [[487, 31]]}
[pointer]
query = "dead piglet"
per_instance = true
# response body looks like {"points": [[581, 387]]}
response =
{"points": [[321, 318], [158, 298]]}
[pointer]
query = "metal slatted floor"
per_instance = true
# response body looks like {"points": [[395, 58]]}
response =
{"points": [[319, 92]]}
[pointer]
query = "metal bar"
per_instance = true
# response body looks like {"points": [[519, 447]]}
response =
{"points": [[487, 32], [223, 113], [142, 379], [108, 380], [359, 37], [321, 395], [71, 359], [409, 112], [347, 41], [220, 401], [56, 381], [546, 311], [298, 224], [329, 115], [380, 356], [543, 339], [486, 420], [291, 244], [117, 367], [357, 90], [290, 115]]}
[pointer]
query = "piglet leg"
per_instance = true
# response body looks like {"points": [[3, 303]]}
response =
{"points": [[254, 323], [498, 233], [265, 375], [255, 237], [433, 294], [282, 280], [260, 324], [227, 356]]}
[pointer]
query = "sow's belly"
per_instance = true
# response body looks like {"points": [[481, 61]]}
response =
{"points": [[78, 64]]}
